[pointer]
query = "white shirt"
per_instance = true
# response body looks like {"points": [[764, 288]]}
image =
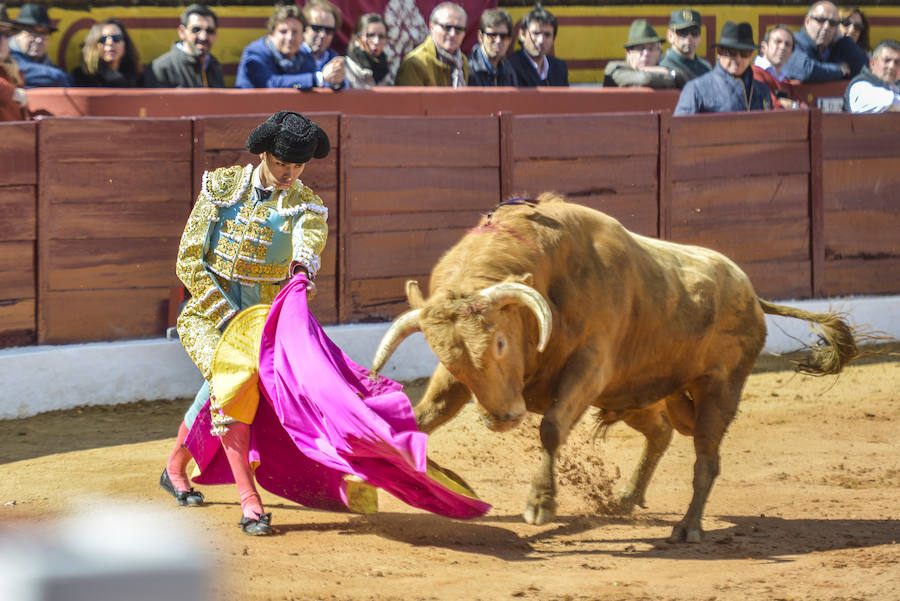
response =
{"points": [[543, 69], [764, 64], [867, 98]]}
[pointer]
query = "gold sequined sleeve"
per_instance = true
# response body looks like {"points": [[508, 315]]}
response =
{"points": [[310, 232], [209, 300]]}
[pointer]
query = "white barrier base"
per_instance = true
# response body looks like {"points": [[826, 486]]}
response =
{"points": [[44, 378]]}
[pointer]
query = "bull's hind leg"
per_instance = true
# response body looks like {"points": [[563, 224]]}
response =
{"points": [[654, 425], [715, 402]]}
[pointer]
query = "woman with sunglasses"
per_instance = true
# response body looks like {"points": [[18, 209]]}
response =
{"points": [[730, 86], [13, 101], [855, 26], [109, 59], [367, 65]]}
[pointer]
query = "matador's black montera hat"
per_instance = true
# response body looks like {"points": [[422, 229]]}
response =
{"points": [[290, 137]]}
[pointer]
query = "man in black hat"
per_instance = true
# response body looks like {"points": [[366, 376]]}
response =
{"points": [[641, 64], [29, 48], [729, 87], [251, 230], [684, 36]]}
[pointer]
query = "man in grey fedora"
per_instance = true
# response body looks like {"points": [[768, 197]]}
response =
{"points": [[730, 86], [683, 37], [29, 48], [641, 64]]}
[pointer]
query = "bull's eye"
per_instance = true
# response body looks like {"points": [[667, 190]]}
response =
{"points": [[499, 345]]}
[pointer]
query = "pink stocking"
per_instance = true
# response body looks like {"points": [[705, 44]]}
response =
{"points": [[178, 460], [236, 443]]}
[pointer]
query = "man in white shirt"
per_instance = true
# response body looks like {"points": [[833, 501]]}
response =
{"points": [[775, 50], [875, 89]]}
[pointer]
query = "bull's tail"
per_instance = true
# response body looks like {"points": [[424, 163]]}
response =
{"points": [[837, 344]]}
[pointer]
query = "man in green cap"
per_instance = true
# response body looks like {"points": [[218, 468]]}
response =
{"points": [[641, 64], [684, 36]]}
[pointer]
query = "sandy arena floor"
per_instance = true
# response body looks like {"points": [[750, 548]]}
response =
{"points": [[807, 506]]}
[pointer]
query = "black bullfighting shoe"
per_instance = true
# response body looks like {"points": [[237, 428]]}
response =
{"points": [[258, 527], [189, 498]]}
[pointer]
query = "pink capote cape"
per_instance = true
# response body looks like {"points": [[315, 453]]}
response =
{"points": [[320, 417]]}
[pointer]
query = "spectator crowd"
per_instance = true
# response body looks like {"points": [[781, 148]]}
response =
{"points": [[296, 52]]}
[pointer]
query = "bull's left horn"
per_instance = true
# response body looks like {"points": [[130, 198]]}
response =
{"points": [[506, 292], [406, 324]]}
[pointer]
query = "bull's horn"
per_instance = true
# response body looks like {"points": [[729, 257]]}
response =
{"points": [[403, 326], [528, 296]]}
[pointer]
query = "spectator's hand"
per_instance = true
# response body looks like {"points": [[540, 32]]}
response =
{"points": [[656, 69], [787, 103], [333, 71], [20, 97], [845, 69]]}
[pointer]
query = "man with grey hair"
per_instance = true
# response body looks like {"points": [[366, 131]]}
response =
{"points": [[875, 89], [820, 54], [438, 61]]}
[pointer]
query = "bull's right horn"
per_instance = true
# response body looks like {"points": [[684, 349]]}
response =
{"points": [[406, 324]]}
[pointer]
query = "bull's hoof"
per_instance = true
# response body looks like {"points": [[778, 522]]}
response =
{"points": [[626, 501], [683, 534], [540, 513]]}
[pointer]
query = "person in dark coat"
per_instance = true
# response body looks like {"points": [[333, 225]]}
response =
{"points": [[190, 63], [487, 63], [29, 48], [730, 86], [684, 36], [820, 53], [109, 59], [532, 63]]}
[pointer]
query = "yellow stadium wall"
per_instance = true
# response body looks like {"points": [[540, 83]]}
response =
{"points": [[589, 36]]}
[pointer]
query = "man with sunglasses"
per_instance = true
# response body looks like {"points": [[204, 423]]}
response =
{"points": [[29, 49], [730, 86], [820, 53], [278, 60], [438, 61], [190, 63], [684, 37], [532, 63], [487, 63]]}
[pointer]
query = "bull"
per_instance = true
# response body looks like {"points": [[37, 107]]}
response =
{"points": [[551, 307]]}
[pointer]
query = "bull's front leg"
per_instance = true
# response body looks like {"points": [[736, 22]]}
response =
{"points": [[443, 399], [571, 401]]}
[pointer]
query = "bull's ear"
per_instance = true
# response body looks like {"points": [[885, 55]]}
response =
{"points": [[414, 295], [527, 279]]}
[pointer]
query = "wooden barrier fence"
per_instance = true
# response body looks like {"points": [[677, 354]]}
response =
{"points": [[806, 203]]}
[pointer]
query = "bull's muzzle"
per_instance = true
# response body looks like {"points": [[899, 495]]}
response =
{"points": [[502, 423]]}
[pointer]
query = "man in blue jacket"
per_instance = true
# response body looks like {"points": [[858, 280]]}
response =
{"points": [[277, 60], [729, 87], [820, 53], [29, 48]]}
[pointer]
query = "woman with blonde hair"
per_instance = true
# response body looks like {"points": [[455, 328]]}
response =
{"points": [[109, 59], [855, 26], [13, 101]]}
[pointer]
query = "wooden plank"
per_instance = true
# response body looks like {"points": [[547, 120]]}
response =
{"points": [[579, 136], [862, 276], [17, 270], [506, 154], [100, 315], [736, 160], [230, 132], [424, 141], [664, 201], [18, 213], [390, 254], [98, 220], [744, 242], [382, 298], [344, 222], [366, 221], [121, 182], [724, 129], [861, 233], [782, 279], [87, 141], [590, 175], [97, 263], [848, 136], [638, 213], [862, 184], [16, 316], [18, 154], [742, 199], [816, 204]]}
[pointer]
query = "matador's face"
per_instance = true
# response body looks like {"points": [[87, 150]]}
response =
{"points": [[275, 172]]}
